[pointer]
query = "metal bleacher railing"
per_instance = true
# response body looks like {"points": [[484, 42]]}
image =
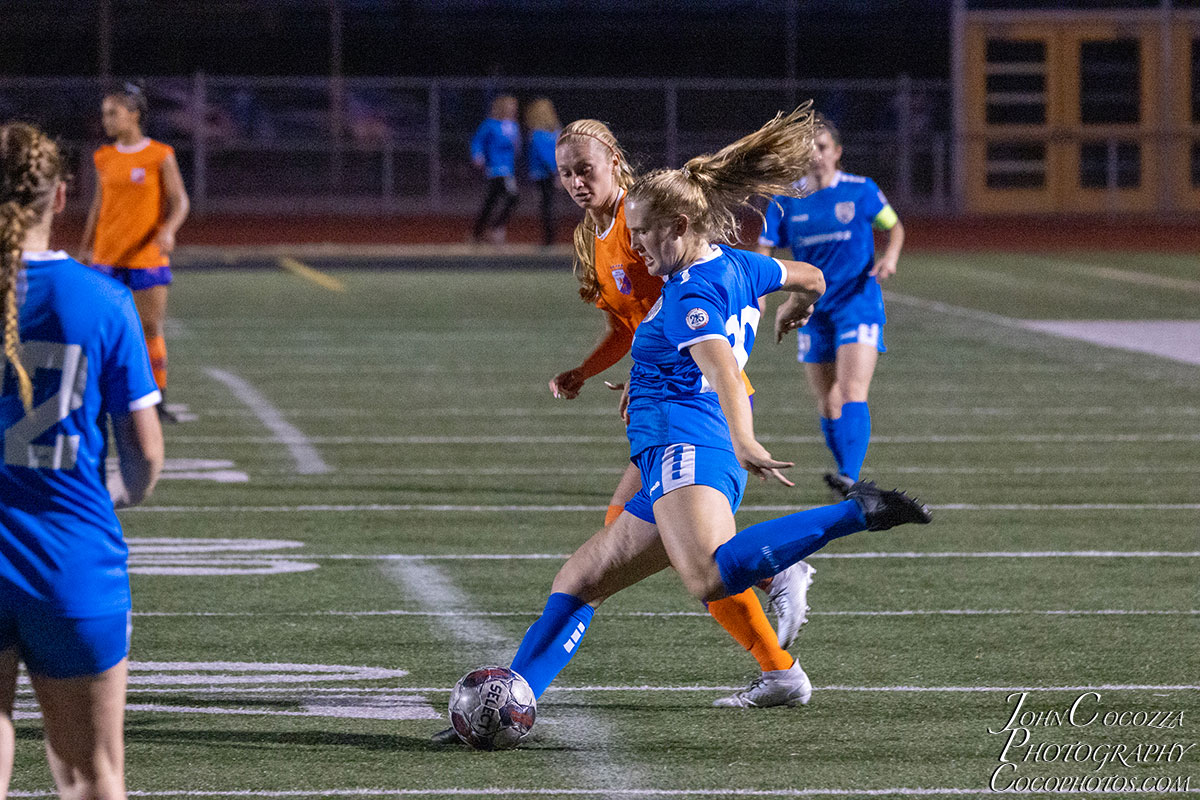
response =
{"points": [[399, 145]]}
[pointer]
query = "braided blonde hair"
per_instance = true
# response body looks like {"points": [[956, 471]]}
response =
{"points": [[710, 189], [30, 170], [586, 231]]}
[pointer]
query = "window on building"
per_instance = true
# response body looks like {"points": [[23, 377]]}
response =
{"points": [[1116, 165], [1016, 82], [1016, 165], [1110, 82]]}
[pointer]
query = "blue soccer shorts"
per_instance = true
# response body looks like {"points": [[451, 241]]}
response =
{"points": [[859, 320], [666, 468], [55, 646], [137, 279]]}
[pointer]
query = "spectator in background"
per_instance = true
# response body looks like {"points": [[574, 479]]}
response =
{"points": [[542, 123], [494, 150]]}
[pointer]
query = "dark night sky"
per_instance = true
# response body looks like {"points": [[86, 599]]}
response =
{"points": [[728, 38], [643, 38]]}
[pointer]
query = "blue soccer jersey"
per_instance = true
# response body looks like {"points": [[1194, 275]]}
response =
{"points": [[832, 230], [496, 142], [542, 163], [82, 343], [670, 402]]}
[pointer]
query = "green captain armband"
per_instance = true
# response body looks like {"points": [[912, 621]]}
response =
{"points": [[885, 220]]}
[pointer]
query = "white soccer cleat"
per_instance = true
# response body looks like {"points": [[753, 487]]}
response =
{"points": [[788, 595], [781, 687]]}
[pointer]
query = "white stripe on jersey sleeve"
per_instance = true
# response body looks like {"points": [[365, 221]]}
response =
{"points": [[152, 399], [783, 273], [699, 339]]}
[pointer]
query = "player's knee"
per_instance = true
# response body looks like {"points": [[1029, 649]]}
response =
{"points": [[578, 582], [854, 391], [103, 784], [703, 583], [831, 402]]}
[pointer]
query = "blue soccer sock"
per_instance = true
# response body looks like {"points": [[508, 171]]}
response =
{"points": [[828, 428], [852, 433], [552, 640], [770, 547]]}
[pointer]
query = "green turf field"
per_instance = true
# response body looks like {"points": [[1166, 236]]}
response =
{"points": [[378, 489]]}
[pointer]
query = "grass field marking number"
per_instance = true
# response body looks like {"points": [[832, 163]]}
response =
{"points": [[192, 686], [212, 557]]}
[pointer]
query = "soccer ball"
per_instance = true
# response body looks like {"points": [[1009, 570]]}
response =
{"points": [[492, 708]]}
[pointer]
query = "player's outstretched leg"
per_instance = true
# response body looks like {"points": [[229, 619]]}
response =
{"points": [[551, 641], [546, 648], [770, 547], [614, 558]]}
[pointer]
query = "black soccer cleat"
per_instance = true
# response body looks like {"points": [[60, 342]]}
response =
{"points": [[839, 484], [446, 738], [884, 509]]}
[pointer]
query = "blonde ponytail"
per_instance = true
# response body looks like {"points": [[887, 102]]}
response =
{"points": [[710, 189], [13, 224]]}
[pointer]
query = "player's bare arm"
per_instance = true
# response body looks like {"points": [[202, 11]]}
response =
{"points": [[178, 204], [88, 240], [139, 441], [717, 363], [885, 265]]}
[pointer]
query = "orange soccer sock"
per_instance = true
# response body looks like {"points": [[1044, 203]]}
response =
{"points": [[743, 617], [611, 515], [157, 346]]}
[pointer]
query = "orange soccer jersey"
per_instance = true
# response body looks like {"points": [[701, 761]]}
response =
{"points": [[131, 205], [627, 289]]}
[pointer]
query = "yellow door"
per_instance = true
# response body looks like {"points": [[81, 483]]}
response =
{"points": [[1110, 80], [1063, 115]]}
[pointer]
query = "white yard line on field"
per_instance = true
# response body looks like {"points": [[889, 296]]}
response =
{"points": [[497, 791], [1178, 340], [949, 612], [308, 460], [867, 555], [965, 438], [1127, 276], [294, 691], [592, 509], [341, 412], [1175, 340], [1058, 469]]}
